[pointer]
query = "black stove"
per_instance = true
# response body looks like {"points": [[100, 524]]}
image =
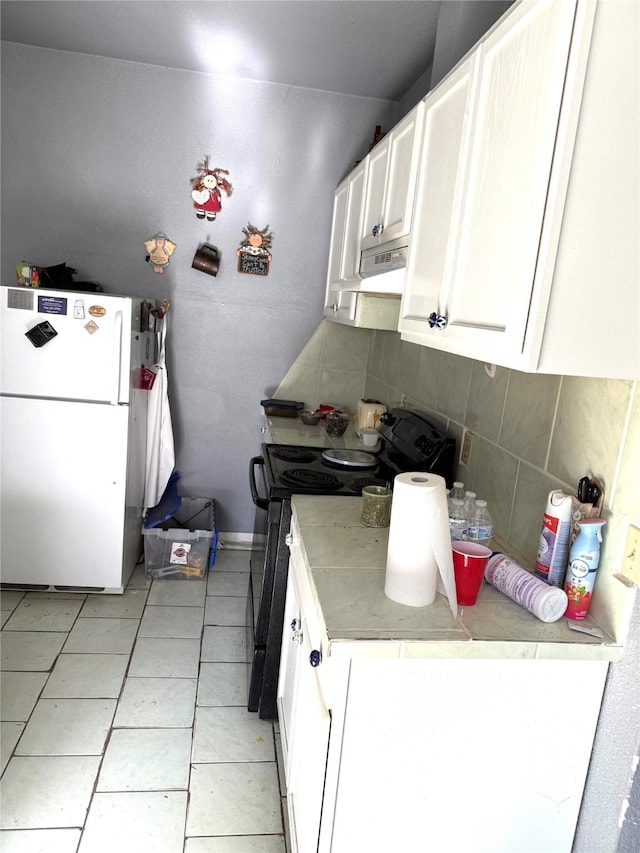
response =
{"points": [[300, 470], [409, 442]]}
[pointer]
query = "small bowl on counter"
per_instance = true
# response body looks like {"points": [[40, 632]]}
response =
{"points": [[336, 423], [310, 418]]}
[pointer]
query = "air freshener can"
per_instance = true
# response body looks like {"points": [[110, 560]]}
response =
{"points": [[583, 564], [555, 539]]}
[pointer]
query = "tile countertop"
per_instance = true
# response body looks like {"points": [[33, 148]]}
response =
{"points": [[293, 431], [346, 563]]}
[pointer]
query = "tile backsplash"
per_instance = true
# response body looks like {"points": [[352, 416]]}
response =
{"points": [[531, 433]]}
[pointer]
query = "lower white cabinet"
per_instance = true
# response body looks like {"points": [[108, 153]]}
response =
{"points": [[434, 750], [305, 725]]}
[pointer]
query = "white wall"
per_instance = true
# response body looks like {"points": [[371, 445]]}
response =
{"points": [[96, 158]]}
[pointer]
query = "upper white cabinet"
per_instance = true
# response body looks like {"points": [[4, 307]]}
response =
{"points": [[364, 310], [391, 180], [344, 253], [524, 243], [377, 196]]}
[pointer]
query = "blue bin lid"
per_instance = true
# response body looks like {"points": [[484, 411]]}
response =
{"points": [[169, 504]]}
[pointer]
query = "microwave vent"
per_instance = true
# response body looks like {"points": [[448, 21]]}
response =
{"points": [[383, 259]]}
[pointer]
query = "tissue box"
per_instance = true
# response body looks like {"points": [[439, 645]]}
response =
{"points": [[27, 275]]}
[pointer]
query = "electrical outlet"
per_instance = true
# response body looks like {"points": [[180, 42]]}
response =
{"points": [[465, 450], [631, 556]]}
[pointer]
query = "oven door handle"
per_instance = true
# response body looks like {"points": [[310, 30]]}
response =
{"points": [[261, 503]]}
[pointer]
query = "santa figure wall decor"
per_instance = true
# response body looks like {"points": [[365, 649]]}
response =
{"points": [[206, 190]]}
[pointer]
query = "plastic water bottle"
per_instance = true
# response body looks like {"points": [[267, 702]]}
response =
{"points": [[457, 519], [479, 524], [456, 493], [469, 502]]}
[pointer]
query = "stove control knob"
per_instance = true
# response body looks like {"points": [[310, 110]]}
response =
{"points": [[387, 418], [315, 657]]}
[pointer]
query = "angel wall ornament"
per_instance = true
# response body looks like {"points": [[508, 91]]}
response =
{"points": [[159, 250], [206, 195]]}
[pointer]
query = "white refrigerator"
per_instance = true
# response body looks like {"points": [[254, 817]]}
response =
{"points": [[73, 437]]}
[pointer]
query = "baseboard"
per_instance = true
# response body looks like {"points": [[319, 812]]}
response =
{"points": [[240, 541]]}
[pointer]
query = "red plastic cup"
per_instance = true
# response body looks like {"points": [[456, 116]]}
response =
{"points": [[469, 563]]}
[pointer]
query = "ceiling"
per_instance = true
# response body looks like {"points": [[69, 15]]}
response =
{"points": [[370, 48]]}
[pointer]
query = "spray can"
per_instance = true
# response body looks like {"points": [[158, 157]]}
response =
{"points": [[583, 564], [555, 539], [546, 602]]}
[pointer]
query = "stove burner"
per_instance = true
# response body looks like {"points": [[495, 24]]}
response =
{"points": [[293, 454], [359, 483], [309, 479]]}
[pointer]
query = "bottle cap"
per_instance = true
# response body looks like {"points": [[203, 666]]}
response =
{"points": [[551, 604], [481, 503]]}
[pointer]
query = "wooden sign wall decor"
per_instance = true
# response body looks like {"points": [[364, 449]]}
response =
{"points": [[254, 253], [206, 190]]}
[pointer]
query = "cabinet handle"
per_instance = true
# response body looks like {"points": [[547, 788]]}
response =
{"points": [[315, 657], [377, 230], [437, 321], [334, 308], [296, 634]]}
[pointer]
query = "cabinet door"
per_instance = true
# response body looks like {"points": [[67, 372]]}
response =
{"points": [[305, 722], [391, 181], [399, 196], [445, 145], [287, 680], [350, 263], [338, 228], [341, 305], [516, 113], [309, 747], [476, 268], [373, 212], [344, 251]]}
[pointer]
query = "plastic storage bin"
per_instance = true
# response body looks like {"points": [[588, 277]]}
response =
{"points": [[184, 547]]}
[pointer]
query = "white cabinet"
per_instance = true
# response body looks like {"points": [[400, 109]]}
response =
{"points": [[512, 192], [386, 742], [391, 180], [305, 724], [375, 199], [344, 254], [365, 310], [445, 145]]}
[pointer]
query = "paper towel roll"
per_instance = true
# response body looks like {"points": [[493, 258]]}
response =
{"points": [[419, 549]]}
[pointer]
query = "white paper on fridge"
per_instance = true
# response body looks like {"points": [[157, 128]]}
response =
{"points": [[419, 552]]}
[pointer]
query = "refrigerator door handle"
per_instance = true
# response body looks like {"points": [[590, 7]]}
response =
{"points": [[117, 358]]}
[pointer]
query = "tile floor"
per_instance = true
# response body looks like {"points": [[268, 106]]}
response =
{"points": [[124, 722]]}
